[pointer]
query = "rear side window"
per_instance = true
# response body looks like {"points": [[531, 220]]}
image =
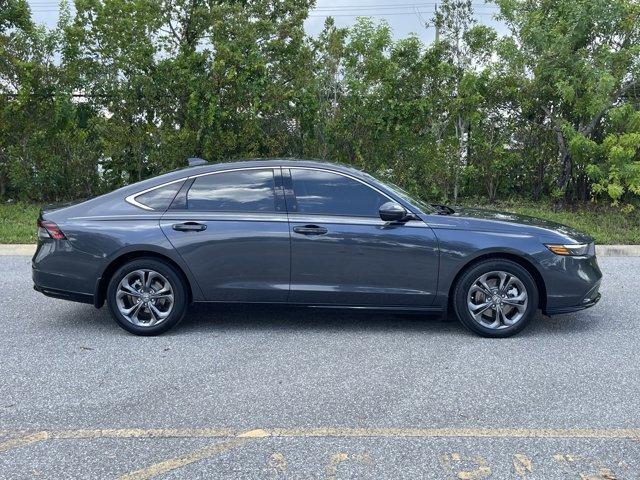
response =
{"points": [[240, 191], [325, 193], [159, 198]]}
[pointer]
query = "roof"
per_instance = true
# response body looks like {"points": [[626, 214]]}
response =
{"points": [[214, 167], [257, 162]]}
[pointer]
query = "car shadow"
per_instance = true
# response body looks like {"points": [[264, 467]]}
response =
{"points": [[288, 318], [230, 317], [203, 318], [579, 322]]}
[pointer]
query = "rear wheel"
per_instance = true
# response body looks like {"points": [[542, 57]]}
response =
{"points": [[496, 298], [147, 296]]}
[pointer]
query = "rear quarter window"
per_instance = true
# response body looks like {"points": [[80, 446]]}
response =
{"points": [[159, 198]]}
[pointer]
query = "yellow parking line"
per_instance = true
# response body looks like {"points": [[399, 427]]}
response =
{"points": [[144, 433], [22, 441], [196, 456], [172, 464], [235, 438], [242, 438], [615, 433], [623, 433]]}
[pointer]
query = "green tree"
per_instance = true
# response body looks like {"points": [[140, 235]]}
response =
{"points": [[580, 59], [15, 23], [453, 21], [191, 77]]}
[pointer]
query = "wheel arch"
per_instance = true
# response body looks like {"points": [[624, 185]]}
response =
{"points": [[522, 261], [103, 281]]}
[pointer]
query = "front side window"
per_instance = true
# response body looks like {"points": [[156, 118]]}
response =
{"points": [[319, 192], [240, 191]]}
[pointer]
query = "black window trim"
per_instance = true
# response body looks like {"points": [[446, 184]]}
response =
{"points": [[291, 192]]}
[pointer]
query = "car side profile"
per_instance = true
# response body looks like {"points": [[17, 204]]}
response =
{"points": [[306, 233]]}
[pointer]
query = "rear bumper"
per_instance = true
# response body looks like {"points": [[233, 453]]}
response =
{"points": [[65, 295], [59, 271], [60, 285]]}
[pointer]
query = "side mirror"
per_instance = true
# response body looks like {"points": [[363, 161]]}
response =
{"points": [[392, 212]]}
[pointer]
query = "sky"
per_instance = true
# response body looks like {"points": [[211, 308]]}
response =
{"points": [[403, 16]]}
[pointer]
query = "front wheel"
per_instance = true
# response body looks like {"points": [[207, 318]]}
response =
{"points": [[146, 296], [496, 298]]}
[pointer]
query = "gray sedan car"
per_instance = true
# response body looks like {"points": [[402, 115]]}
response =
{"points": [[306, 233]]}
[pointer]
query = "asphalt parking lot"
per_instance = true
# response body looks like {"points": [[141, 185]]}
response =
{"points": [[238, 392]]}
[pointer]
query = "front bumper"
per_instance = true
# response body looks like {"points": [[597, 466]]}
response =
{"points": [[587, 303], [588, 300], [572, 283]]}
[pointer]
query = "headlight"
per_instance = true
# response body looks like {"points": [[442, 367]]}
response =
{"points": [[578, 250]]}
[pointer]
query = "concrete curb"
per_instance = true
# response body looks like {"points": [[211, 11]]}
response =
{"points": [[601, 250], [17, 249], [618, 250]]}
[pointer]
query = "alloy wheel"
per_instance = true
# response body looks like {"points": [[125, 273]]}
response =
{"points": [[497, 300], [145, 297]]}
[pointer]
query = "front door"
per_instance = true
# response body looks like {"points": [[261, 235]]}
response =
{"points": [[231, 229], [342, 253]]}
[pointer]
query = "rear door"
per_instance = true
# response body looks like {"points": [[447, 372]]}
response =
{"points": [[231, 229], [342, 253]]}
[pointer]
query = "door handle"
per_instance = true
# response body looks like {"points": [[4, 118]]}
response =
{"points": [[310, 230], [189, 227]]}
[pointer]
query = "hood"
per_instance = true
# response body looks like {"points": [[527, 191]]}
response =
{"points": [[490, 220]]}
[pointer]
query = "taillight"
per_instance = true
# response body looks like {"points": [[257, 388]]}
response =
{"points": [[47, 229]]}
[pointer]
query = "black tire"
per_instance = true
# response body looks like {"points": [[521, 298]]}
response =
{"points": [[178, 289], [467, 280]]}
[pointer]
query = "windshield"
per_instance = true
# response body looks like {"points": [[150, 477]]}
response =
{"points": [[406, 196]]}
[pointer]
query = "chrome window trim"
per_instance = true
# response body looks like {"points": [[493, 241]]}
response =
{"points": [[132, 198], [234, 170]]}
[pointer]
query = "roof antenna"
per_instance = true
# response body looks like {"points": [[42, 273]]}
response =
{"points": [[195, 161]]}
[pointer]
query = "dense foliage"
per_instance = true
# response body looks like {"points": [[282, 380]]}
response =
{"points": [[125, 89]]}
